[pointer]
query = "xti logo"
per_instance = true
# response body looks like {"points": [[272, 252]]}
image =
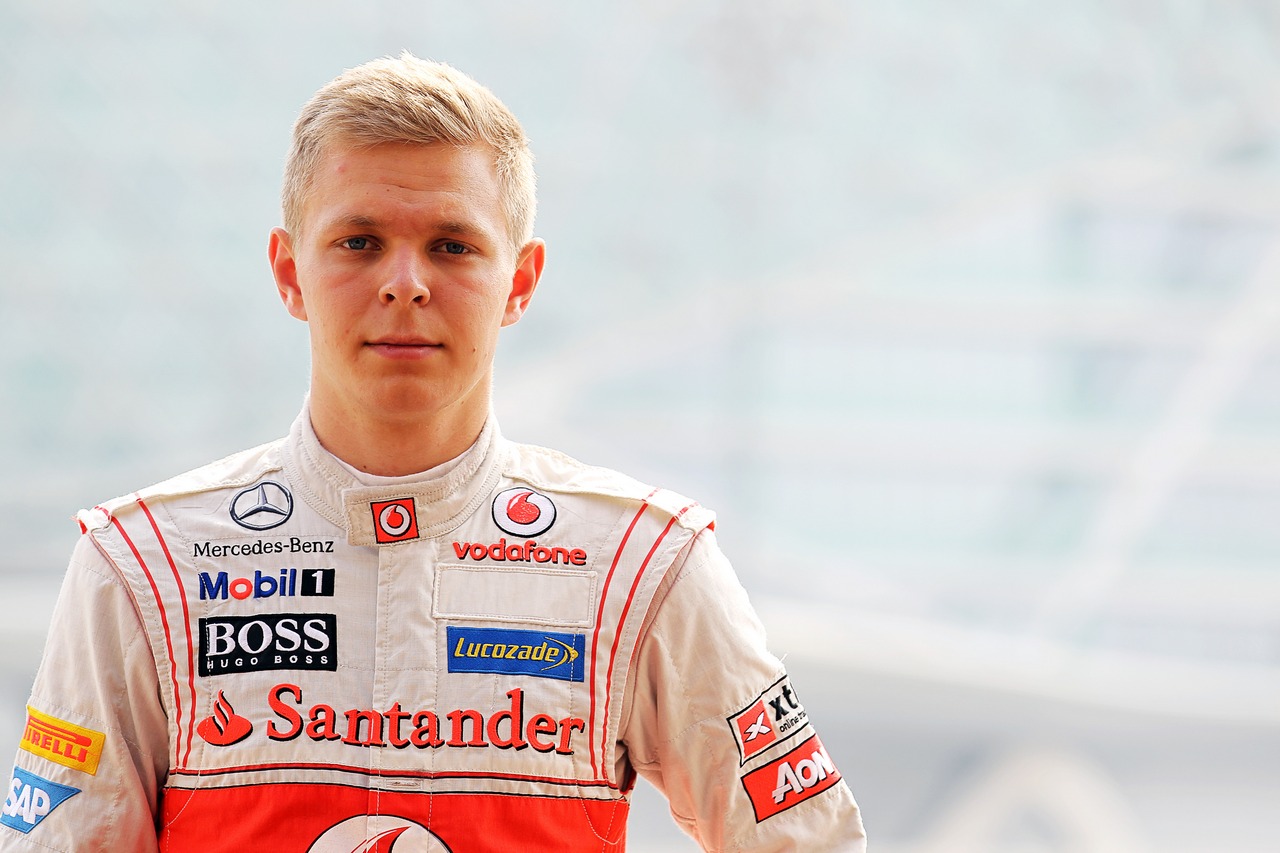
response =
{"points": [[775, 716]]}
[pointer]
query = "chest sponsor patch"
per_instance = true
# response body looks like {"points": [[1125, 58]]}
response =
{"points": [[542, 654], [62, 742], [231, 644], [776, 715], [31, 798], [801, 774]]}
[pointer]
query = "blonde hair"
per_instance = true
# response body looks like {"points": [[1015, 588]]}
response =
{"points": [[412, 100]]}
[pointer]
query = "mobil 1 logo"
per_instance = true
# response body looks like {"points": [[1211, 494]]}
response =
{"points": [[291, 582], [233, 644]]}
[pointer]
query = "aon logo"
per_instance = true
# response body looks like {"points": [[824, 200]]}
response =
{"points": [[801, 774], [806, 773]]}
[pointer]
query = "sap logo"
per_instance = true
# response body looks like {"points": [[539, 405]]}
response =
{"points": [[232, 644], [539, 653], [292, 582], [62, 742], [775, 716], [801, 774], [523, 512], [31, 799]]}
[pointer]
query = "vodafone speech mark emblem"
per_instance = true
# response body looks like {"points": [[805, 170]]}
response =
{"points": [[394, 521], [378, 834], [523, 512]]}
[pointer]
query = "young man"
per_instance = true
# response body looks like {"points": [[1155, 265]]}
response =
{"points": [[393, 629]]}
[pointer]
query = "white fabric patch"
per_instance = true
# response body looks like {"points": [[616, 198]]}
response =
{"points": [[507, 594]]}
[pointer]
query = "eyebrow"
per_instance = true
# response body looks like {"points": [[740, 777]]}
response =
{"points": [[356, 221], [449, 226]]}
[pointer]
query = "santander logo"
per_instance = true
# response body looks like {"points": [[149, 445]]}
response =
{"points": [[224, 727], [377, 834], [523, 512]]}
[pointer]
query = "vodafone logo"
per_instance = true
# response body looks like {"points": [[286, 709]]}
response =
{"points": [[394, 521], [378, 834], [523, 512]]}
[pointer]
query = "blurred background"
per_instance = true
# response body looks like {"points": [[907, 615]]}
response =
{"points": [[964, 316]]}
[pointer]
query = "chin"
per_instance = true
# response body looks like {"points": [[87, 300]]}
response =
{"points": [[412, 401]]}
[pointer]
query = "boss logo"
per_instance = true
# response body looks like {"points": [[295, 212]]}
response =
{"points": [[231, 644]]}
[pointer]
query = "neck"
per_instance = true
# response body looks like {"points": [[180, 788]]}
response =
{"points": [[388, 445]]}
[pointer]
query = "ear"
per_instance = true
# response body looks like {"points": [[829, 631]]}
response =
{"points": [[525, 280], [285, 270]]}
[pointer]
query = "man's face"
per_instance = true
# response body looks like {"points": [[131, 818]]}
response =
{"points": [[405, 272]]}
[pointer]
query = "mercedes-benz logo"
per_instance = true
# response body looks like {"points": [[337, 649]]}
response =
{"points": [[263, 506]]}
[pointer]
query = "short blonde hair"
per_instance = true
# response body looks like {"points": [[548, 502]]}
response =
{"points": [[417, 101]]}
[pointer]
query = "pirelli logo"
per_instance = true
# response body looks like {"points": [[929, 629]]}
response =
{"points": [[62, 742]]}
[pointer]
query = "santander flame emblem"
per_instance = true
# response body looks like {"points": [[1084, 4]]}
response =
{"points": [[523, 512], [377, 834], [224, 727]]}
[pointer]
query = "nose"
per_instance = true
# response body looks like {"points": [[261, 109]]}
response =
{"points": [[405, 282]]}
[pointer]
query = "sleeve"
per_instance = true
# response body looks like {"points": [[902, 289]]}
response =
{"points": [[716, 725], [94, 752]]}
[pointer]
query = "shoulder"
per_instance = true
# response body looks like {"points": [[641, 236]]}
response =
{"points": [[237, 471], [552, 471]]}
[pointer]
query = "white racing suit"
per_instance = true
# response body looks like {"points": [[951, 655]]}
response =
{"points": [[265, 655]]}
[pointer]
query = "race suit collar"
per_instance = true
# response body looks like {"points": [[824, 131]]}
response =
{"points": [[431, 505]]}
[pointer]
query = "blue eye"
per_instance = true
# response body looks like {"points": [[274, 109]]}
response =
{"points": [[356, 243], [453, 248]]}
